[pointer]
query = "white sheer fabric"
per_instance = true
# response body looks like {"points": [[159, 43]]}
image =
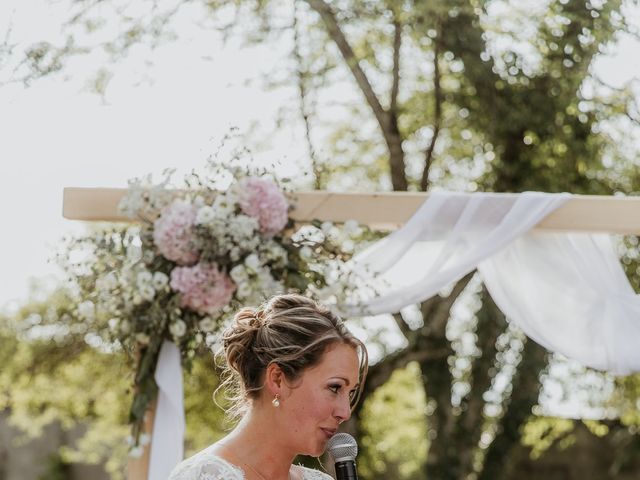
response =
{"points": [[207, 466], [168, 425], [568, 292]]}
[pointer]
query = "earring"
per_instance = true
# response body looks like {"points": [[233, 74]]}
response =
{"points": [[276, 401]]}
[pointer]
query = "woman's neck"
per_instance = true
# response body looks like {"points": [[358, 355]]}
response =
{"points": [[255, 444]]}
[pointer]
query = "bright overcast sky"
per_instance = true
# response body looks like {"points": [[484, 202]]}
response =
{"points": [[53, 135]]}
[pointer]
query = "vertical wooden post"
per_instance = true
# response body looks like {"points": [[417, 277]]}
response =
{"points": [[138, 468]]}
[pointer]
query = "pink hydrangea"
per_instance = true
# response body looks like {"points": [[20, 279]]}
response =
{"points": [[173, 233], [263, 200], [203, 287]]}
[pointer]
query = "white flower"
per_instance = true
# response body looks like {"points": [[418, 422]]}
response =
{"points": [[160, 280], [253, 263], [143, 338], [178, 328], [244, 290], [114, 323], [134, 253], [306, 253], [144, 278], [207, 324], [234, 254], [107, 283], [205, 215], [352, 228], [223, 205], [87, 310], [147, 292], [348, 246], [239, 274], [326, 227], [136, 452], [125, 327]]}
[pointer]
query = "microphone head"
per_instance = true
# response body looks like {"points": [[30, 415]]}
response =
{"points": [[342, 446]]}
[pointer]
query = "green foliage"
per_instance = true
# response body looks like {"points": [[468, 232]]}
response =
{"points": [[541, 433], [51, 376], [394, 432]]}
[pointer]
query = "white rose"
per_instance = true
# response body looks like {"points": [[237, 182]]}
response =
{"points": [[239, 274], [147, 292], [205, 215], [326, 227], [207, 324], [306, 253], [178, 328], [108, 282], [352, 228], [144, 277], [136, 452], [87, 310], [244, 290], [134, 253], [160, 280], [348, 246], [253, 263], [113, 324], [234, 254], [223, 206]]}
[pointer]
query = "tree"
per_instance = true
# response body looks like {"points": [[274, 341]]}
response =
{"points": [[442, 96]]}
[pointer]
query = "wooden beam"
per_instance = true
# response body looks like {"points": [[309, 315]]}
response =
{"points": [[581, 213]]}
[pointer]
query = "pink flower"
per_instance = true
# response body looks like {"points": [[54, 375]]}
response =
{"points": [[203, 287], [261, 199], [173, 233]]}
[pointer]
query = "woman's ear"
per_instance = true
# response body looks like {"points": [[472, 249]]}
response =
{"points": [[274, 380]]}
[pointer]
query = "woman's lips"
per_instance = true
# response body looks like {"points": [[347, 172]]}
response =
{"points": [[329, 432]]}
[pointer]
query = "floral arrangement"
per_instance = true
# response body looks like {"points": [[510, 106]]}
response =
{"points": [[194, 255]]}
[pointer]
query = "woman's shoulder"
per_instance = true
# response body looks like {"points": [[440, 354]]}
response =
{"points": [[205, 465], [311, 474]]}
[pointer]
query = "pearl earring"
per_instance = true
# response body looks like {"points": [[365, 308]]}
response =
{"points": [[276, 401]]}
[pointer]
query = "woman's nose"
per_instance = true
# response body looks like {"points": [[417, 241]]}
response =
{"points": [[343, 410]]}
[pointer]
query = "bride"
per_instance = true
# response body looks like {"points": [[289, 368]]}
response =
{"points": [[297, 373]]}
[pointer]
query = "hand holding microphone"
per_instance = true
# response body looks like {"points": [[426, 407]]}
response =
{"points": [[343, 449]]}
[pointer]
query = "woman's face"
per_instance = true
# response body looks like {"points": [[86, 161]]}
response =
{"points": [[320, 400]]}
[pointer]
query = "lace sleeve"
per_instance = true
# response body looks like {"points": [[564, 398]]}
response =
{"points": [[206, 467]]}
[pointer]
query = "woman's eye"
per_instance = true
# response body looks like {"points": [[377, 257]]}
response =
{"points": [[334, 388]]}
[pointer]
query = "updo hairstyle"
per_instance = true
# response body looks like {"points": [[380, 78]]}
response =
{"points": [[289, 330]]}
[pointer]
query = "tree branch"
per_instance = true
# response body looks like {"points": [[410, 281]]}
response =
{"points": [[437, 92], [397, 44], [386, 120], [302, 91], [402, 325]]}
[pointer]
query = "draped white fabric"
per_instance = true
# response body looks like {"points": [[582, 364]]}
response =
{"points": [[567, 292], [168, 426]]}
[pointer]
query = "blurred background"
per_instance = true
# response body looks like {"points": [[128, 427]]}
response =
{"points": [[346, 95]]}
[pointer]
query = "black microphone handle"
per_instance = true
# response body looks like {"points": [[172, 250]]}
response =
{"points": [[346, 470]]}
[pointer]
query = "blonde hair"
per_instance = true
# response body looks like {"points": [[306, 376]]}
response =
{"points": [[289, 330]]}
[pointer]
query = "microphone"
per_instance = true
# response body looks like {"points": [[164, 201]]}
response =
{"points": [[343, 449]]}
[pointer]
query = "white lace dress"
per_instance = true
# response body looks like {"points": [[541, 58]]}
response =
{"points": [[207, 466]]}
